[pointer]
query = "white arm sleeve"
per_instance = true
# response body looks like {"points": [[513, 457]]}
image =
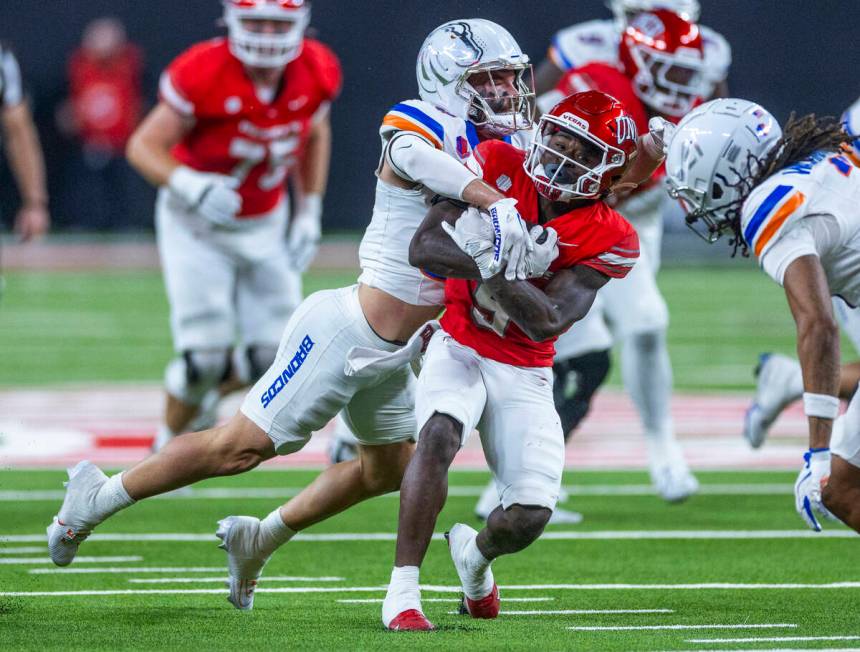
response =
{"points": [[413, 158]]}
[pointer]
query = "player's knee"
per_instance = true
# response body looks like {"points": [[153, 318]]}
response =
{"points": [[195, 372], [260, 358], [440, 438], [649, 342], [235, 451], [382, 467], [526, 524]]}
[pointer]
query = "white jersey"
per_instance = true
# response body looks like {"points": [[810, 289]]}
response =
{"points": [[810, 208], [598, 40], [397, 212]]}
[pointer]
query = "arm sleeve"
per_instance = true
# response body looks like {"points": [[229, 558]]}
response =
{"points": [[414, 158], [11, 87]]}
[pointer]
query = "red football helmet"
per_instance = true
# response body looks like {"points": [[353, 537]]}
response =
{"points": [[662, 54], [260, 48], [581, 147]]}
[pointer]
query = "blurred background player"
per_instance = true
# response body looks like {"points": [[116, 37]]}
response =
{"points": [[792, 198], [236, 118], [663, 76], [598, 41], [104, 107], [489, 366], [23, 150], [476, 92], [779, 378]]}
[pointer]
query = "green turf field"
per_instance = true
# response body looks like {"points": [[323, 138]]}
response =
{"points": [[113, 326], [194, 614]]}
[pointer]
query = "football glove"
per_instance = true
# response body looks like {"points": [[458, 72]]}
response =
{"points": [[211, 195], [305, 232], [656, 141], [511, 240], [474, 236], [545, 251], [807, 490]]}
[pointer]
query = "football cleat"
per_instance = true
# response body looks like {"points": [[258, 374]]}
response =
{"points": [[240, 538], [779, 383], [410, 620], [488, 501], [670, 475], [564, 517], [76, 520], [458, 538]]}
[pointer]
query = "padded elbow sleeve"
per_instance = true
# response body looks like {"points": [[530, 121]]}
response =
{"points": [[414, 159]]}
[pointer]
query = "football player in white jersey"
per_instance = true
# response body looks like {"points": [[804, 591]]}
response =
{"points": [[791, 197], [597, 41], [779, 378], [473, 83]]}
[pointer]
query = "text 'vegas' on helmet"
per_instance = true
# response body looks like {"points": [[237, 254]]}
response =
{"points": [[716, 147], [582, 147], [266, 33], [476, 71], [663, 55]]}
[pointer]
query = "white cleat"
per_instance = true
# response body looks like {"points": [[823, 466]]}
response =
{"points": [[488, 501], [240, 537], [670, 475], [565, 517], [76, 519], [779, 383]]}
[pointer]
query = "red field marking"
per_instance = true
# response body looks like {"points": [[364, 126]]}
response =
{"points": [[114, 426]]}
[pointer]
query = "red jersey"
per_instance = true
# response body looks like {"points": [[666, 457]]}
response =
{"points": [[106, 96], [610, 80], [237, 133], [595, 236]]}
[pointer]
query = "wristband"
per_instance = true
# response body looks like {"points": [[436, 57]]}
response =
{"points": [[822, 406]]}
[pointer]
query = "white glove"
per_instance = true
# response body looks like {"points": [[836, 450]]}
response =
{"points": [[474, 235], [538, 261], [656, 141], [305, 232], [512, 240], [807, 490], [212, 195]]}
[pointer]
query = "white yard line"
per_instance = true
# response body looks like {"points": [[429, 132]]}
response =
{"points": [[447, 600], [621, 628], [579, 612], [773, 639], [127, 570], [22, 561], [607, 490], [24, 550], [222, 578], [553, 535]]}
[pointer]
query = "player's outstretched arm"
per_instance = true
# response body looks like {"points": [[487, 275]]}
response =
{"points": [[433, 250], [818, 349], [542, 314]]}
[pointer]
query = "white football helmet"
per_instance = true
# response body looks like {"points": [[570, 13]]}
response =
{"points": [[714, 149], [260, 49], [461, 48], [624, 9]]}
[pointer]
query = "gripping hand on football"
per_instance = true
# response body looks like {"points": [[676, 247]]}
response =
{"points": [[545, 251], [807, 490], [212, 195], [305, 232], [511, 241], [474, 236]]}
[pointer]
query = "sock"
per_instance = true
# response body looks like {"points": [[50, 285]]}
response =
{"points": [[111, 498], [403, 593], [478, 583], [647, 374], [274, 532]]}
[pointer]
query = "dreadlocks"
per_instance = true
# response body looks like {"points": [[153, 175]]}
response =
{"points": [[801, 138]]}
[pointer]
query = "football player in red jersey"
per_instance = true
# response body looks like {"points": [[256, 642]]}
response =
{"points": [[490, 366], [662, 74], [236, 117]]}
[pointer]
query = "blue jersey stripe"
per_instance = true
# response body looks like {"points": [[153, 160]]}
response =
{"points": [[764, 211], [556, 43], [423, 118], [472, 135]]}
